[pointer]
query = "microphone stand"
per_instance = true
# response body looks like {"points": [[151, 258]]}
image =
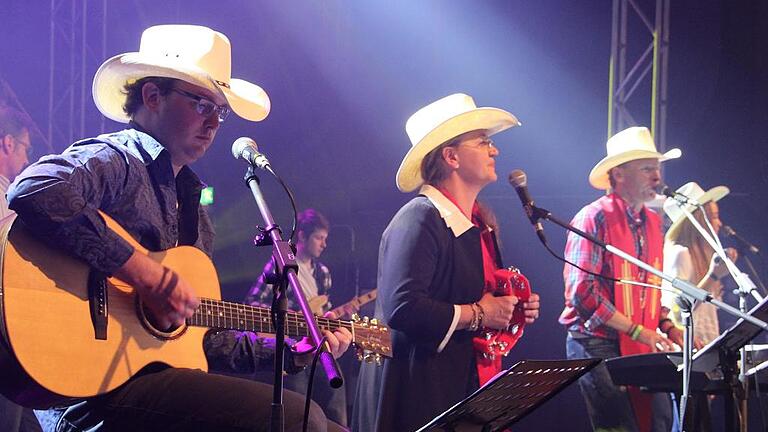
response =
{"points": [[286, 270], [688, 291], [745, 287]]}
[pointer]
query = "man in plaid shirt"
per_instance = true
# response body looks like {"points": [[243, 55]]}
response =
{"points": [[606, 319]]}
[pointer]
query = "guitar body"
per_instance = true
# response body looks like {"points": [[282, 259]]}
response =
{"points": [[46, 322]]}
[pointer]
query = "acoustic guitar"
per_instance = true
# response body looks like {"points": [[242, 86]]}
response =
{"points": [[66, 333]]}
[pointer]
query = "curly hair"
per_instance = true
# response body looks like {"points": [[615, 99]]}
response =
{"points": [[133, 96]]}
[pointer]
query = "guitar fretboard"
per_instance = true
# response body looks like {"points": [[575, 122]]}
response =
{"points": [[236, 316]]}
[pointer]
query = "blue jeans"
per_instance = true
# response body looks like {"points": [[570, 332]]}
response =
{"points": [[608, 405]]}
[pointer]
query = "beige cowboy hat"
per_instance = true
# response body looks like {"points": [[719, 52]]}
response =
{"points": [[440, 122], [693, 191], [195, 54], [628, 145]]}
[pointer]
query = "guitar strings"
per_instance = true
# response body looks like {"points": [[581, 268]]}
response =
{"points": [[256, 318]]}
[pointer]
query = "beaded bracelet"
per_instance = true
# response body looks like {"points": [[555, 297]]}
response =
{"points": [[480, 314], [474, 324]]}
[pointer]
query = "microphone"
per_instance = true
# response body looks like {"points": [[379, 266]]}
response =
{"points": [[519, 181], [247, 149], [683, 199], [747, 245]]}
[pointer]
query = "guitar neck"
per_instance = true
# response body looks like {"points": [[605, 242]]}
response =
{"points": [[236, 316], [356, 302]]}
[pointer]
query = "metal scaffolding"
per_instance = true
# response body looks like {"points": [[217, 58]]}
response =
{"points": [[625, 79], [78, 42]]}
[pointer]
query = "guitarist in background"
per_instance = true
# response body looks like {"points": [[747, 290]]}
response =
{"points": [[436, 260], [312, 232], [15, 147], [174, 93]]}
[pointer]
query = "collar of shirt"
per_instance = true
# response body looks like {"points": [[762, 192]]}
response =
{"points": [[150, 151], [636, 218], [452, 215]]}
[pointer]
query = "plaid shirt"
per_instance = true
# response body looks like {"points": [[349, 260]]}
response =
{"points": [[589, 301]]}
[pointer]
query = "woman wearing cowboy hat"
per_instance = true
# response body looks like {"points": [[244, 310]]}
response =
{"points": [[174, 93], [689, 257], [606, 319], [434, 262]]}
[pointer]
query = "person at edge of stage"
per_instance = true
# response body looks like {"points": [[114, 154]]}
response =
{"points": [[435, 277], [689, 257], [606, 319], [173, 93], [312, 230], [15, 147]]}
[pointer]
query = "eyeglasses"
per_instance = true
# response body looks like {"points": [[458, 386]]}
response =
{"points": [[485, 144], [205, 107]]}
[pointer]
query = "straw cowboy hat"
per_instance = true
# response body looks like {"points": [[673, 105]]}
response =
{"points": [[440, 122], [692, 190], [195, 54], [628, 145]]}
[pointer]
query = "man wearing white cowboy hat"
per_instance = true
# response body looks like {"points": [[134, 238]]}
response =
{"points": [[173, 93], [436, 257], [606, 319]]}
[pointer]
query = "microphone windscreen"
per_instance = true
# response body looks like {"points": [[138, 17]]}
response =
{"points": [[241, 144], [517, 178]]}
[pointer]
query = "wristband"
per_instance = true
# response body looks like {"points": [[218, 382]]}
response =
{"points": [[636, 333], [631, 330]]}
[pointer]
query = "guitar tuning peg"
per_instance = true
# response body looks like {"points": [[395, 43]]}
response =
{"points": [[374, 322], [355, 317], [377, 359], [359, 354]]}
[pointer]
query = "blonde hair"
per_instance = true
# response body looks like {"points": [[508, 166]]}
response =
{"points": [[701, 252]]}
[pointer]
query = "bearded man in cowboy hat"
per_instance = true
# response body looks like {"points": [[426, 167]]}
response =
{"points": [[606, 319], [173, 93], [436, 258]]}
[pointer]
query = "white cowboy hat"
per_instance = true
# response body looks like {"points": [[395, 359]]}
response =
{"points": [[440, 122], [693, 191], [195, 54], [628, 145]]}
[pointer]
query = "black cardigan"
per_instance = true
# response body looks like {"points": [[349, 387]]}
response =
{"points": [[423, 271]]}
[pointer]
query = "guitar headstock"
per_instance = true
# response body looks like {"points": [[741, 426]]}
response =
{"points": [[373, 340]]}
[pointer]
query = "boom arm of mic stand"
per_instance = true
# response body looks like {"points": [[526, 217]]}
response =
{"points": [[686, 288], [283, 253]]}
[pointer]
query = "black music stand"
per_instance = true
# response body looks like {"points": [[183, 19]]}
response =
{"points": [[721, 356], [730, 341], [511, 395]]}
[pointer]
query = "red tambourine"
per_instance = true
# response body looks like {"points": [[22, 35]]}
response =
{"points": [[492, 342]]}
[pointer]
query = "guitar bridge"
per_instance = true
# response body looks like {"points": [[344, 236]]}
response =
{"points": [[97, 300]]}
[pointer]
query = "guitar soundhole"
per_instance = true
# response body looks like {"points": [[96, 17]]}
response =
{"points": [[144, 317]]}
